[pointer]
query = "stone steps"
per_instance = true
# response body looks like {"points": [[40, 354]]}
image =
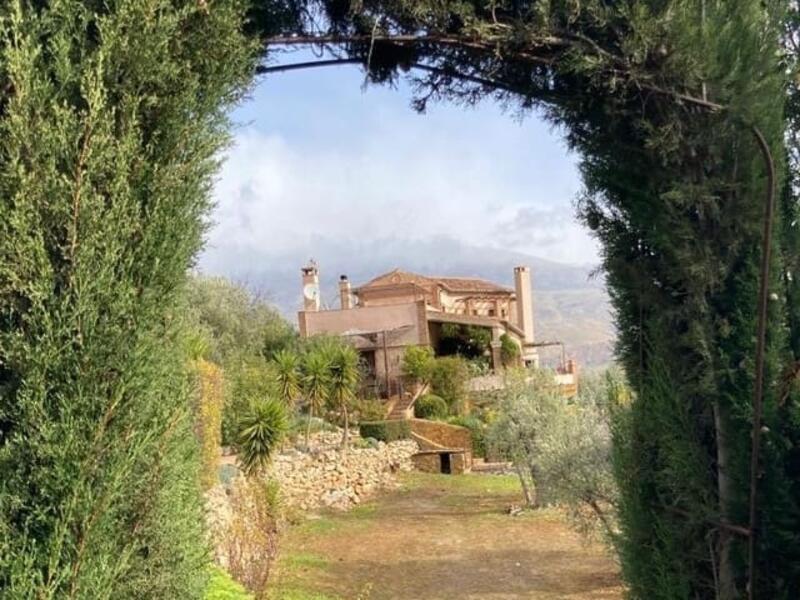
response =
{"points": [[400, 408]]}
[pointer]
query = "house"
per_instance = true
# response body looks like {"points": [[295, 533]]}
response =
{"points": [[400, 309]]}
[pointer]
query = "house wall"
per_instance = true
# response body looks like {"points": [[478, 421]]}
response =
{"points": [[405, 325], [369, 319]]}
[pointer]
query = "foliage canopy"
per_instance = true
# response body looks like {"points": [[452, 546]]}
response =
{"points": [[674, 190]]}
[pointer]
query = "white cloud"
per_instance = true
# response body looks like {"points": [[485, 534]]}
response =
{"points": [[386, 181]]}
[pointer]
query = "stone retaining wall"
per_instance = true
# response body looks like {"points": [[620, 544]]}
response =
{"points": [[444, 435], [327, 477]]}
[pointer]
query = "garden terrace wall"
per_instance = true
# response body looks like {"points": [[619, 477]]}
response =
{"points": [[444, 435]]}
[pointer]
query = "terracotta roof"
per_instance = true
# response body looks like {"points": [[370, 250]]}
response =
{"points": [[452, 284], [395, 277], [470, 284]]}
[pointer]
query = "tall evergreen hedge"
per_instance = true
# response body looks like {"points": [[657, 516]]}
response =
{"points": [[111, 116]]}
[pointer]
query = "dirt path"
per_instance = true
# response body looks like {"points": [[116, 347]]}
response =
{"points": [[442, 537]]}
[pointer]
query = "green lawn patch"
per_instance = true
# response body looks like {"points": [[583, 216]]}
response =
{"points": [[479, 484], [222, 587]]}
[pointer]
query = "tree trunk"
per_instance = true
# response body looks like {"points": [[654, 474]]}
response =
{"points": [[346, 433], [530, 501], [534, 486], [308, 428], [727, 576]]}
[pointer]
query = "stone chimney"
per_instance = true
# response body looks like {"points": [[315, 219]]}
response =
{"points": [[311, 300], [524, 293], [345, 295]]}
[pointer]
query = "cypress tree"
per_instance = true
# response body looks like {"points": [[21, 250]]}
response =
{"points": [[111, 117]]}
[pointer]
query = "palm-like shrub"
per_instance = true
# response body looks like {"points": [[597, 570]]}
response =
{"points": [[287, 375], [314, 382], [343, 384], [261, 430]]}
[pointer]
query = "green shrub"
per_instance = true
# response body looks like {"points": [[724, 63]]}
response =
{"points": [[368, 409], [449, 381], [477, 430], [478, 367], [418, 363], [385, 431], [251, 379], [431, 406], [509, 351], [261, 430]]}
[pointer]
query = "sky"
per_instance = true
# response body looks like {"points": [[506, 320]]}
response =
{"points": [[318, 158]]}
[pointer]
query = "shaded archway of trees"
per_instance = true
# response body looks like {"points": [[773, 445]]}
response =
{"points": [[112, 115], [676, 109]]}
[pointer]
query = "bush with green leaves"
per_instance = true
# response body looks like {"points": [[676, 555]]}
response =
{"points": [[431, 406], [222, 587], [509, 351], [112, 118], [449, 377], [240, 323], [477, 430], [368, 409], [261, 429], [560, 448], [385, 431], [249, 379], [417, 364]]}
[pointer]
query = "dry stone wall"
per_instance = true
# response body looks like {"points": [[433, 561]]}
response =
{"points": [[330, 478], [327, 477]]}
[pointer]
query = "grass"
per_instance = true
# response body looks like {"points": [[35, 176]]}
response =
{"points": [[441, 537], [222, 587], [295, 568], [478, 484], [330, 522]]}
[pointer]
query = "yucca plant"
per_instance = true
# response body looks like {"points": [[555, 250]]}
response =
{"points": [[287, 375], [343, 386], [261, 430], [315, 381]]}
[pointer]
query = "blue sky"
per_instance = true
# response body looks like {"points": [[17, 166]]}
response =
{"points": [[317, 157]]}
